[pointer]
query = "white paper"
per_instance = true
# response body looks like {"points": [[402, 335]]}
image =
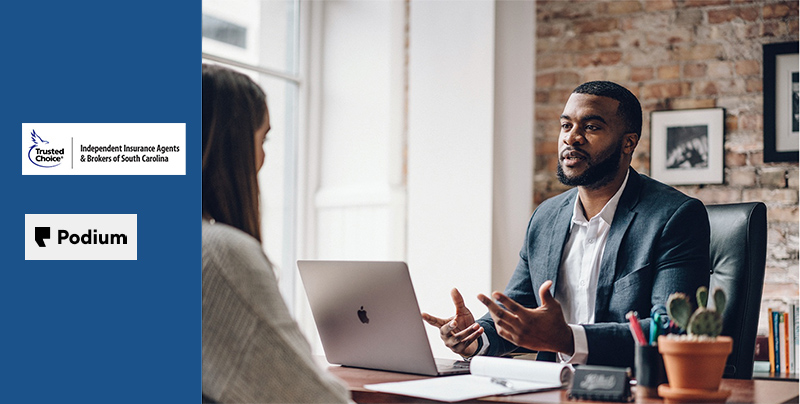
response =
{"points": [[521, 369], [519, 375]]}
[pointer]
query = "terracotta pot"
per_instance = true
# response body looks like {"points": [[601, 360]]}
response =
{"points": [[695, 364]]}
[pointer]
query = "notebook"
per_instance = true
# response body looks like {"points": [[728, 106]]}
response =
{"points": [[368, 317], [488, 377]]}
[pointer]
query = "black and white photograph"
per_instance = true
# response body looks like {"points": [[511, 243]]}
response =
{"points": [[686, 146]]}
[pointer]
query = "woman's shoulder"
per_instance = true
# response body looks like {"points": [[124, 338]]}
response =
{"points": [[224, 236], [223, 244], [235, 258]]}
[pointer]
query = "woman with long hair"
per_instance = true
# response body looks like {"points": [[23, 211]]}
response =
{"points": [[253, 351]]}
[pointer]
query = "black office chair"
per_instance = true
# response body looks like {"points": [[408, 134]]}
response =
{"points": [[738, 257]]}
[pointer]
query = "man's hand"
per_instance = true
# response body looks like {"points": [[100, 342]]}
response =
{"points": [[459, 332], [539, 329]]}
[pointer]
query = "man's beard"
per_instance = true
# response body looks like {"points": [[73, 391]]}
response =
{"points": [[595, 175]]}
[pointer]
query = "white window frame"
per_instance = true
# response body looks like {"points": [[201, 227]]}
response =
{"points": [[288, 281]]}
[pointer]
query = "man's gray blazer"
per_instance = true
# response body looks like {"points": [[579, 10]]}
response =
{"points": [[657, 245]]}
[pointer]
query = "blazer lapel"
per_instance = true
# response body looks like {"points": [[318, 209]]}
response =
{"points": [[558, 237], [619, 226]]}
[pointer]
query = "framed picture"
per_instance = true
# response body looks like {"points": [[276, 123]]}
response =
{"points": [[686, 146], [781, 111]]}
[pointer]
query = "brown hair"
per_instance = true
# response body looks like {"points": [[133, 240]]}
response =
{"points": [[233, 108]]}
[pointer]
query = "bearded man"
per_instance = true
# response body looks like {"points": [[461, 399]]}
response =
{"points": [[617, 242]]}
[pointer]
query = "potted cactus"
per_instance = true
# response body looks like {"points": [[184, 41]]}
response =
{"points": [[695, 361]]}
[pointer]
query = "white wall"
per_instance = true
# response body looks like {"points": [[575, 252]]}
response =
{"points": [[513, 134], [458, 214], [358, 168], [450, 153], [470, 154], [352, 170]]}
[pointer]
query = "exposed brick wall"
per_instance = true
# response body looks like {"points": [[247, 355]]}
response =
{"points": [[678, 54]]}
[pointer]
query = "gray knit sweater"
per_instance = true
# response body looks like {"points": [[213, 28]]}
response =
{"points": [[253, 351]]}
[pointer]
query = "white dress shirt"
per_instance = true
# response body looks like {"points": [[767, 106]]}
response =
{"points": [[580, 267], [576, 290]]}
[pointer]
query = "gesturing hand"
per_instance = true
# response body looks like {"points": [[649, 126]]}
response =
{"points": [[459, 332], [539, 329]]}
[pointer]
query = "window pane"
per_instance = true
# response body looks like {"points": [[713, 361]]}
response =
{"points": [[264, 34], [277, 178], [224, 31], [256, 32]]}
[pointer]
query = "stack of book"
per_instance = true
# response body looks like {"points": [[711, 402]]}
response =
{"points": [[784, 339]]}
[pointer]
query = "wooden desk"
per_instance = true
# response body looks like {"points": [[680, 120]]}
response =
{"points": [[772, 376], [743, 391]]}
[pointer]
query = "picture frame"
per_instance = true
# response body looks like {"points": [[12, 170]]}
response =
{"points": [[686, 146], [781, 118]]}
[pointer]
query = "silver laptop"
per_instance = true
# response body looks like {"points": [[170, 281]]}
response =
{"points": [[368, 317]]}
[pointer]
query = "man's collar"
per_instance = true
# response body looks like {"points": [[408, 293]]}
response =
{"points": [[607, 213]]}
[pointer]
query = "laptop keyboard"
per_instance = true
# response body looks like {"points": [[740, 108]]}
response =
{"points": [[452, 364], [461, 364]]}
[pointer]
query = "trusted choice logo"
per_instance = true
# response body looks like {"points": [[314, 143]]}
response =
{"points": [[80, 237], [49, 148], [42, 154]]}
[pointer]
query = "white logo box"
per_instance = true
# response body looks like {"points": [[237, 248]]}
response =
{"points": [[108, 227], [104, 148]]}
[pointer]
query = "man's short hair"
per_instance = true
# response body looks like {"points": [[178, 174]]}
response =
{"points": [[629, 108]]}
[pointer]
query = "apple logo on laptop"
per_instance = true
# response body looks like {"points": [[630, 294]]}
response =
{"points": [[362, 315]]}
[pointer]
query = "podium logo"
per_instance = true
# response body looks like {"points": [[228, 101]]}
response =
{"points": [[42, 233], [42, 155], [90, 237], [81, 237]]}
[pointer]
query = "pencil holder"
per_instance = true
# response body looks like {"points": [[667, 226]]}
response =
{"points": [[649, 371]]}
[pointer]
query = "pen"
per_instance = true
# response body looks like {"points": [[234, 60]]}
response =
{"points": [[661, 320], [654, 326], [636, 328], [504, 383]]}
